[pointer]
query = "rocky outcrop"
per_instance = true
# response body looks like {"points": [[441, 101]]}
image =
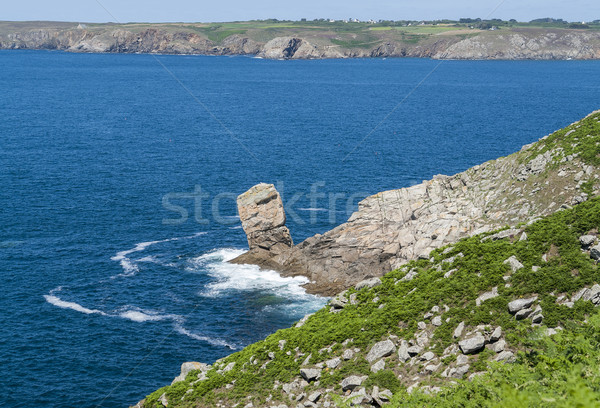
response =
{"points": [[263, 218], [396, 226]]}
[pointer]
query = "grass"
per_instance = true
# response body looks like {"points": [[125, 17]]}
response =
{"points": [[405, 302]]}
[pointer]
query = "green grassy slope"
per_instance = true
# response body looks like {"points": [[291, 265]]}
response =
{"points": [[423, 303]]}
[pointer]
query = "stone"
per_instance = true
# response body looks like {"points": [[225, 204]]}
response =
{"points": [[523, 313], [282, 344], [163, 400], [514, 263], [595, 252], [460, 371], [499, 346], [381, 349], [516, 305], [310, 374], [593, 295], [347, 354], [189, 366], [427, 356], [314, 397], [587, 240], [352, 382], [378, 366], [459, 330], [431, 368], [472, 345], [486, 296], [359, 397], [537, 319], [333, 363], [368, 283], [263, 217], [496, 334], [437, 321], [414, 350], [421, 325], [403, 354], [579, 294], [229, 367], [461, 359], [303, 320], [507, 356]]}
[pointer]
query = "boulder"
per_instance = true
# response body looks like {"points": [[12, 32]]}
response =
{"points": [[352, 382], [310, 374], [263, 218], [378, 366], [190, 366], [516, 305], [473, 344], [380, 350], [507, 356], [333, 363], [496, 334], [514, 263], [595, 252], [523, 313], [403, 354], [486, 296], [593, 295], [587, 240], [368, 283], [459, 330]]}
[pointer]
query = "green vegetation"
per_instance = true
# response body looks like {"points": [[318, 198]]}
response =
{"points": [[562, 371], [555, 371]]}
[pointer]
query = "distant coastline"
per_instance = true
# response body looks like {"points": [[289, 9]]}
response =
{"points": [[315, 40]]}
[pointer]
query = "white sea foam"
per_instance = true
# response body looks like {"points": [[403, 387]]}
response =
{"points": [[230, 277], [129, 266], [236, 227], [56, 301], [313, 209], [140, 315], [215, 342]]}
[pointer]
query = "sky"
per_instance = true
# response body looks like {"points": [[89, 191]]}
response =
{"points": [[236, 10]]}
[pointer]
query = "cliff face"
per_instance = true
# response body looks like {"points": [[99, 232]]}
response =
{"points": [[184, 39], [396, 226]]}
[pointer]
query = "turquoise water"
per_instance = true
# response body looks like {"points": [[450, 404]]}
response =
{"points": [[117, 209]]}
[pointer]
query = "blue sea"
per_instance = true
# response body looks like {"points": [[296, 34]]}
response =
{"points": [[118, 178]]}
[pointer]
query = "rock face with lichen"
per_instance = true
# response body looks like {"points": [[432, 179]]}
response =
{"points": [[393, 227], [263, 218]]}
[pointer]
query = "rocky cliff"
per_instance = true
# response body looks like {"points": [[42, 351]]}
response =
{"points": [[508, 318], [513, 43], [393, 227]]}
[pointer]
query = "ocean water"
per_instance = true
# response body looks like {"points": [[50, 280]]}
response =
{"points": [[118, 175]]}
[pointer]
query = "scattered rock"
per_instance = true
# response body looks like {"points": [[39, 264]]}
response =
{"points": [[462, 359], [352, 382], [378, 366], [437, 321], [314, 397], [587, 240], [190, 366], [459, 330], [487, 295], [163, 400], [496, 334], [499, 346], [523, 313], [595, 252], [333, 363], [381, 349], [516, 305], [472, 345], [403, 354], [310, 374], [347, 354], [514, 263], [368, 283], [507, 356]]}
